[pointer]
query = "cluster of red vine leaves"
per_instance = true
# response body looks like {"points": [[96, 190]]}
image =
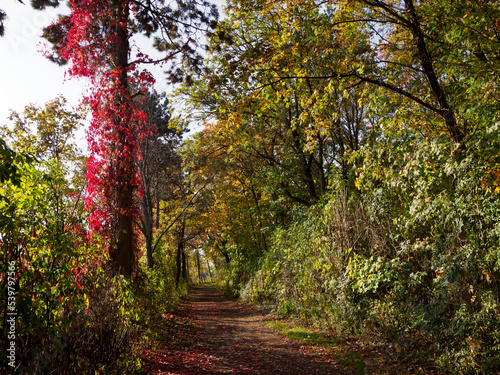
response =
{"points": [[95, 39], [114, 130]]}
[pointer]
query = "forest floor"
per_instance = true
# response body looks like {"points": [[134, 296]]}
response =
{"points": [[211, 334]]}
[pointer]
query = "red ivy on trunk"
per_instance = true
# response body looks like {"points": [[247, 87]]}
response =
{"points": [[97, 45]]}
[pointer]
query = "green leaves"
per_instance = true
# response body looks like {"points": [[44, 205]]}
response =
{"points": [[9, 164], [369, 126], [43, 231], [368, 274]]}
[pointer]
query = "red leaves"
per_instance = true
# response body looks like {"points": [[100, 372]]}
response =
{"points": [[222, 336], [95, 41]]}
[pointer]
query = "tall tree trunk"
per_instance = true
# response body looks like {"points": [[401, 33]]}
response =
{"points": [[157, 222], [123, 255], [198, 265], [446, 111], [147, 223], [149, 250], [209, 270], [178, 265], [178, 257]]}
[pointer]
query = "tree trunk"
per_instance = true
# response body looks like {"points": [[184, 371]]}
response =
{"points": [[446, 111], [226, 255], [147, 224], [209, 270], [157, 222], [149, 250], [123, 254], [198, 265], [178, 258]]}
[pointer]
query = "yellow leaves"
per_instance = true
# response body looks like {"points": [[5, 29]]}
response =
{"points": [[488, 277], [491, 182], [233, 121], [362, 101]]}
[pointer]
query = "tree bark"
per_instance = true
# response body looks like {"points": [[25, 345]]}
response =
{"points": [[147, 224], [198, 265], [209, 270], [178, 258], [149, 250], [446, 111], [123, 254]]}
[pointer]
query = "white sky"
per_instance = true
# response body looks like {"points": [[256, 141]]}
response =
{"points": [[26, 76]]}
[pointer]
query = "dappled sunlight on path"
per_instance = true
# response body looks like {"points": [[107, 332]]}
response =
{"points": [[219, 336]]}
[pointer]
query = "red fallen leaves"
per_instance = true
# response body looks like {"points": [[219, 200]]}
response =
{"points": [[222, 342], [180, 361], [229, 338]]}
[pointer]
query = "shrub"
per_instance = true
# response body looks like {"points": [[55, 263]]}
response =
{"points": [[413, 253]]}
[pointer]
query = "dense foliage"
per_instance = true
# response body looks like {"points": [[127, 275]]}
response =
{"points": [[68, 313], [348, 173], [96, 39], [357, 150]]}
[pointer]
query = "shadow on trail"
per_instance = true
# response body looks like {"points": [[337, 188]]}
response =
{"points": [[227, 337], [205, 293]]}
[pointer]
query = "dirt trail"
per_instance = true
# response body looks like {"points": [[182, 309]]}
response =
{"points": [[214, 335]]}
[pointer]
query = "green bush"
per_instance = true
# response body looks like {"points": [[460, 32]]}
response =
{"points": [[414, 252], [72, 317], [445, 235]]}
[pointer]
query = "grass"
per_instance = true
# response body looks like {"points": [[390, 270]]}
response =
{"points": [[299, 333], [358, 354], [337, 351]]}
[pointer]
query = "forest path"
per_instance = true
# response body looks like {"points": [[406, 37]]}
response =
{"points": [[211, 334]]}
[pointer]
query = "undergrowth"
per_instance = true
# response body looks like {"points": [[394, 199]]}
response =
{"points": [[413, 256]]}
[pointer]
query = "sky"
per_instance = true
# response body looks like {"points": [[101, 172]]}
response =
{"points": [[26, 77]]}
